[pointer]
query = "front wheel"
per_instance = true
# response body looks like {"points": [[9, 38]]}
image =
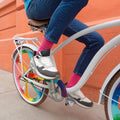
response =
{"points": [[28, 91], [112, 102]]}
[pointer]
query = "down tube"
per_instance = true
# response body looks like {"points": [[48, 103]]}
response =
{"points": [[111, 44], [95, 61]]}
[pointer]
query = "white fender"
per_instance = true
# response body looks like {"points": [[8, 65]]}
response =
{"points": [[105, 85], [34, 48]]}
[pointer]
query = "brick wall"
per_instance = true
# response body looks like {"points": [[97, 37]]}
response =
{"points": [[13, 21]]}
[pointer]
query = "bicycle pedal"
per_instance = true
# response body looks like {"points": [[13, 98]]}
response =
{"points": [[69, 102]]}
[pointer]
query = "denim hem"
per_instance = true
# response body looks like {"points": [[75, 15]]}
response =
{"points": [[78, 69], [48, 38], [80, 74]]}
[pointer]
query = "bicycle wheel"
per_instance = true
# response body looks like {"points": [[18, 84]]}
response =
{"points": [[28, 91], [112, 104]]}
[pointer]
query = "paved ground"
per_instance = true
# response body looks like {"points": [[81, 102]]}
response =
{"points": [[12, 107]]}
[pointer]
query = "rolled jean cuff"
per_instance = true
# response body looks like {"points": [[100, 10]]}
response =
{"points": [[80, 74], [51, 40]]}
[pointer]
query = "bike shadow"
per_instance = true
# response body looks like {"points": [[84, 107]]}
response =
{"points": [[58, 111]]}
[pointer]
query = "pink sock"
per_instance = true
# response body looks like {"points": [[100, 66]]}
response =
{"points": [[73, 80], [45, 44]]}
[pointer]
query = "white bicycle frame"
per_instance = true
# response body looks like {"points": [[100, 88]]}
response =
{"points": [[97, 58]]}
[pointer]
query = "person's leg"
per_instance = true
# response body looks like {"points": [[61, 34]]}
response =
{"points": [[42, 10], [93, 42], [73, 80], [61, 17], [45, 45]]}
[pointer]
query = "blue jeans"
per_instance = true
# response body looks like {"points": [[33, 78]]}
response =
{"points": [[62, 21]]}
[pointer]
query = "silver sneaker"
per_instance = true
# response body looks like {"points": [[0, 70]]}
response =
{"points": [[81, 100], [43, 65]]}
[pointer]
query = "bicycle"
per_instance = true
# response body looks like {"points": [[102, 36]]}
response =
{"points": [[34, 89]]}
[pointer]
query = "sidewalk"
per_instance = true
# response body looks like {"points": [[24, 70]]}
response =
{"points": [[12, 107]]}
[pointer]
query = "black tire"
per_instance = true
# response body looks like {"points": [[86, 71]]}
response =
{"points": [[112, 93]]}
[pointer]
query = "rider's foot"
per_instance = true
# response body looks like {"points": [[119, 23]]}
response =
{"points": [[44, 65], [81, 100]]}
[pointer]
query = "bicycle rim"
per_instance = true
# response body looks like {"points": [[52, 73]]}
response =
{"points": [[28, 91]]}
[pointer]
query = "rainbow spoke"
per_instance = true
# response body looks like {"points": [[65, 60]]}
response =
{"points": [[26, 89], [24, 67]]}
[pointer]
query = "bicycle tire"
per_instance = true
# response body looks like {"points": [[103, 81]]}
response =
{"points": [[39, 97], [111, 107]]}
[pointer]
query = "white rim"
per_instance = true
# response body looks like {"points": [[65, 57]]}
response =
{"points": [[17, 85]]}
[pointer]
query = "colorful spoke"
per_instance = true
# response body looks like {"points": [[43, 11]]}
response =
{"points": [[24, 67]]}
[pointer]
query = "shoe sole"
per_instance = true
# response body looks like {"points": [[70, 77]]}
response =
{"points": [[81, 105]]}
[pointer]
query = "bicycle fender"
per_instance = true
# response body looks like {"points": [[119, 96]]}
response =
{"points": [[105, 84], [34, 48]]}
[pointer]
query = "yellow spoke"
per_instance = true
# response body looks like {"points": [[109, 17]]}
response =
{"points": [[26, 89]]}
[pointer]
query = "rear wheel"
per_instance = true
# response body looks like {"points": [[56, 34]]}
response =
{"points": [[112, 104], [28, 91]]}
